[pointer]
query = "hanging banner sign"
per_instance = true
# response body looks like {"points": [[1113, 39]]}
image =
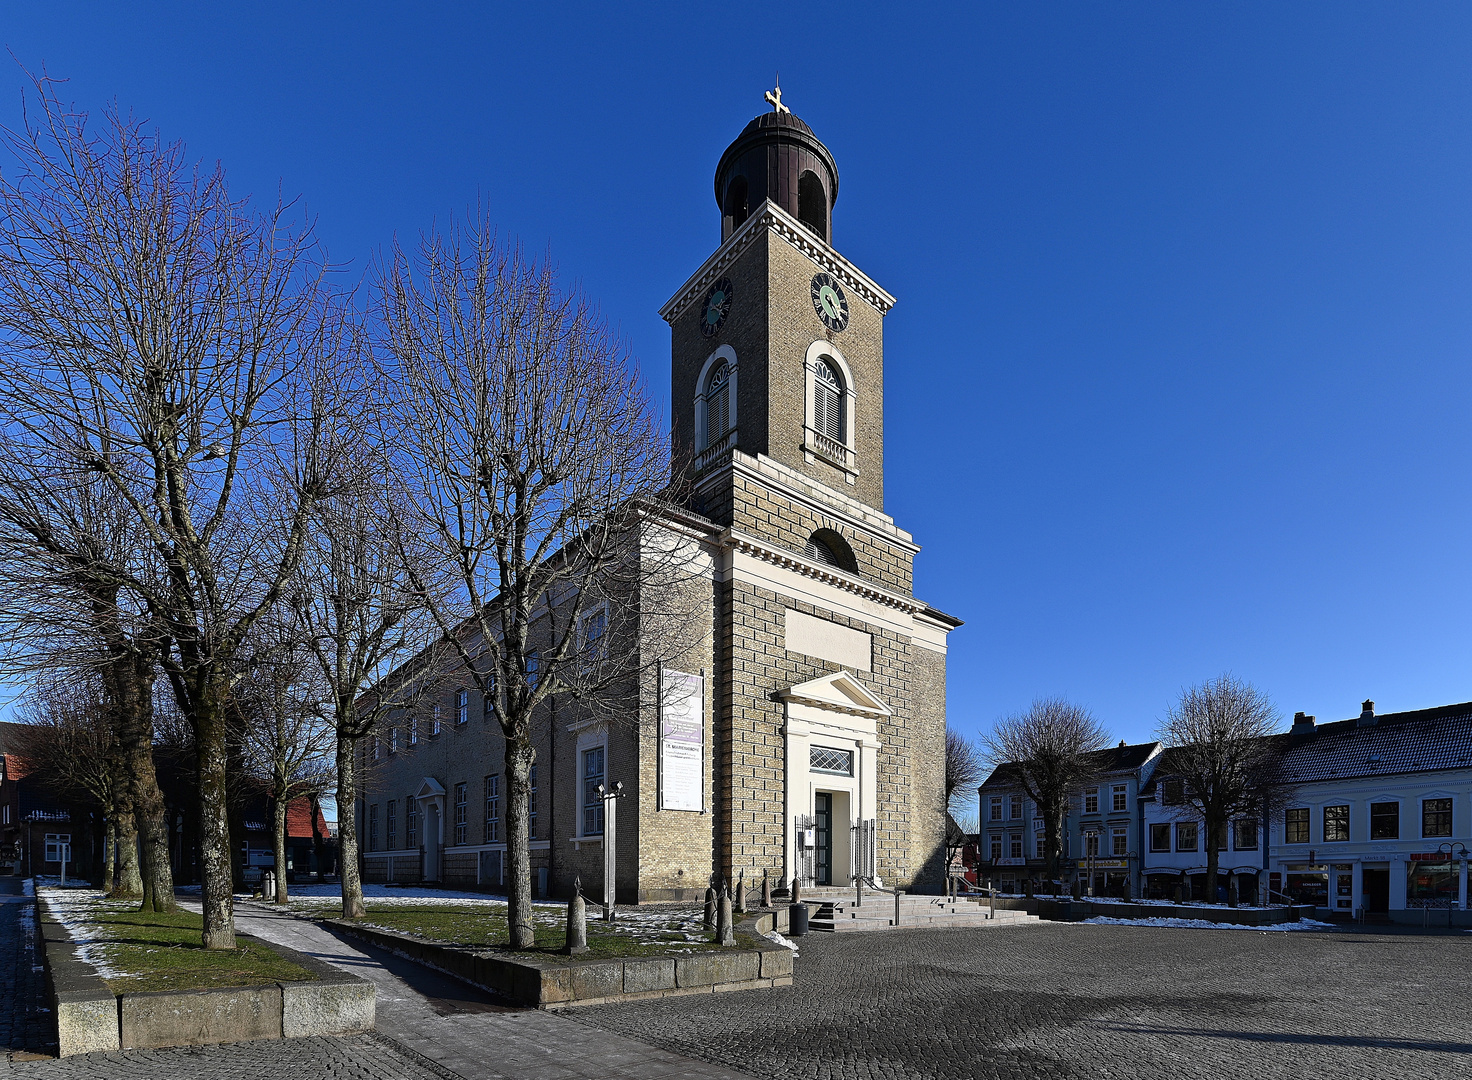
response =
{"points": [[681, 741]]}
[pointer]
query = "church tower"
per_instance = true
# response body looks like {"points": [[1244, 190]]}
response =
{"points": [[828, 689]]}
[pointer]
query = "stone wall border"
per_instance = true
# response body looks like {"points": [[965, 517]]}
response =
{"points": [[1078, 910], [90, 1017], [564, 983]]}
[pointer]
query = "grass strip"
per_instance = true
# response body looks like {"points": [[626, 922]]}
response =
{"points": [[161, 951]]}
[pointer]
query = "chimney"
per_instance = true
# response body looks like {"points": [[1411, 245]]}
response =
{"points": [[1367, 715], [1303, 724]]}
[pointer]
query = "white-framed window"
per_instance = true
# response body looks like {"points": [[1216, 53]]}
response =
{"points": [[1120, 801], [1185, 836], [1016, 807], [1041, 847], [462, 814], [1244, 834], [373, 827], [54, 844], [830, 759], [594, 763], [1121, 842], [462, 707], [5, 814], [1091, 844], [996, 808], [1016, 845], [393, 740], [374, 754], [531, 827], [488, 697], [828, 432], [1091, 800], [492, 832], [533, 668], [1159, 837], [996, 845], [391, 824], [413, 730], [715, 401], [434, 723], [411, 822]]}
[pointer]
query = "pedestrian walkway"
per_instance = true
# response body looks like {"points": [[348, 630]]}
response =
{"points": [[25, 1024], [469, 1033]]}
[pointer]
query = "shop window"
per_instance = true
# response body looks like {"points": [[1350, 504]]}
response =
{"points": [[391, 824], [461, 815], [492, 830], [1121, 798], [1432, 884], [996, 809], [1121, 842], [1336, 824], [411, 822], [1159, 837], [1310, 888], [1385, 821], [593, 763], [1246, 835], [996, 847], [1091, 800], [1295, 826], [1436, 817], [1016, 807], [1016, 845], [1185, 836]]}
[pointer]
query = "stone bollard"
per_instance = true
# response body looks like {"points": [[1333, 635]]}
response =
{"points": [[710, 908], [577, 921], [796, 890], [766, 890], [725, 931], [1232, 894], [741, 894]]}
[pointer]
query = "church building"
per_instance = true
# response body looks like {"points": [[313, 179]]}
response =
{"points": [[802, 733]]}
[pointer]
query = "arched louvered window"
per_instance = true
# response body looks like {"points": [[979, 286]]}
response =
{"points": [[820, 552], [718, 405], [828, 402]]}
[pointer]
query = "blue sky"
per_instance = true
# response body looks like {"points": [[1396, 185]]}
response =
{"points": [[1178, 378]]}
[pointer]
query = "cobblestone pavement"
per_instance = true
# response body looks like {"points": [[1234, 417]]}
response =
{"points": [[25, 1022], [1067, 1000]]}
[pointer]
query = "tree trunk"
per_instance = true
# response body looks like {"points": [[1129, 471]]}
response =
{"points": [[314, 807], [109, 849], [347, 829], [134, 686], [127, 882], [519, 759], [1213, 858], [1053, 832], [278, 841], [214, 821]]}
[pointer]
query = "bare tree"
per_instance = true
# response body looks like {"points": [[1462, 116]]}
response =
{"points": [[1221, 752], [536, 464], [964, 766], [1046, 750], [287, 742], [358, 613], [169, 337]]}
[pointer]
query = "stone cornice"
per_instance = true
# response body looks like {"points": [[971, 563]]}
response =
{"points": [[750, 545], [771, 216]]}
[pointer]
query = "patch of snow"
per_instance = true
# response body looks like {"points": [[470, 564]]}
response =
{"points": [[76, 911], [1207, 924], [786, 943]]}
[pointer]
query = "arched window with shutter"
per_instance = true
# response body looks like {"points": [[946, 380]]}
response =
{"points": [[718, 405], [828, 410]]}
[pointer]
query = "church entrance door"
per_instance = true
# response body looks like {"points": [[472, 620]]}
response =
{"points": [[823, 811]]}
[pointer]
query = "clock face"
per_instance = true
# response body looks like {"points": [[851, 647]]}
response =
{"points": [[829, 302], [717, 307]]}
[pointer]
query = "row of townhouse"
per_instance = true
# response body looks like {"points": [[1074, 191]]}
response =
{"points": [[1375, 820]]}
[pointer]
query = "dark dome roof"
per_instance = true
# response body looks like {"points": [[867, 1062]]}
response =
{"points": [[776, 128]]}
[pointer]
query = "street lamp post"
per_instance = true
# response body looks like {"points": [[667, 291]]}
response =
{"points": [[1451, 855], [610, 797]]}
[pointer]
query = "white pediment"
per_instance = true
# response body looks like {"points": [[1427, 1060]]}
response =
{"points": [[429, 788], [839, 692]]}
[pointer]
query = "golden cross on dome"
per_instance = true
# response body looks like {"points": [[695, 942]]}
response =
{"points": [[774, 98]]}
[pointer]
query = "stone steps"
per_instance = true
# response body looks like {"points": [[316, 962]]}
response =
{"points": [[877, 913]]}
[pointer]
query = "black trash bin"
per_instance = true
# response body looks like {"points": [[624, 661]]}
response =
{"points": [[797, 916]]}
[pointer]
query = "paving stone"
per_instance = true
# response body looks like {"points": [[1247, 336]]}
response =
{"points": [[1068, 1000], [25, 1020]]}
